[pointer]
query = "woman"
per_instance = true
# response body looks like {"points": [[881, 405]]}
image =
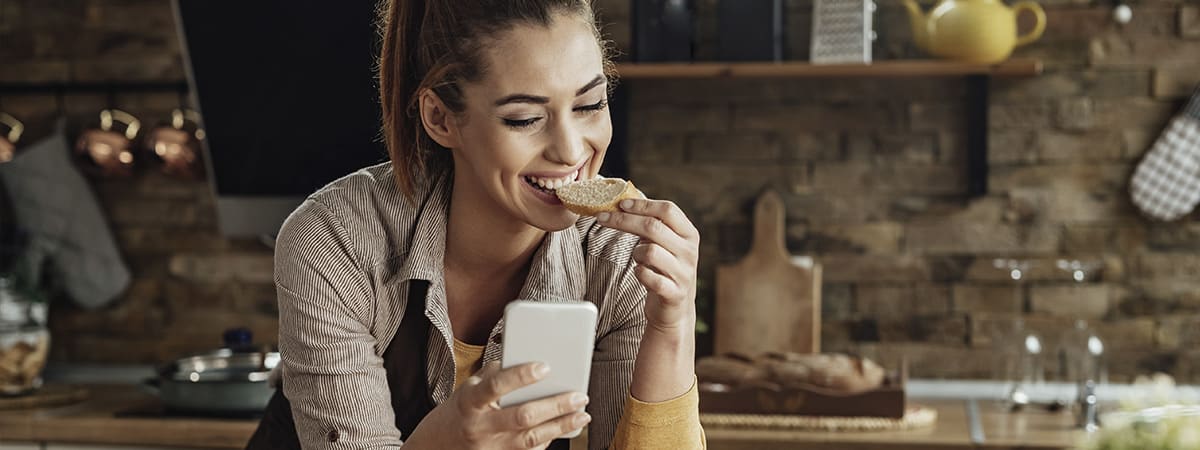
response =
{"points": [[392, 280]]}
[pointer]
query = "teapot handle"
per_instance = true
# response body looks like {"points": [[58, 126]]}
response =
{"points": [[1038, 27]]}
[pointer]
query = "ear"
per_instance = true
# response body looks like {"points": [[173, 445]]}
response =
{"points": [[438, 120]]}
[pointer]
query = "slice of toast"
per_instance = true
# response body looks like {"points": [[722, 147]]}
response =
{"points": [[591, 197]]}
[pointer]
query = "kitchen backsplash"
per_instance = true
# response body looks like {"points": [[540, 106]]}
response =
{"points": [[872, 173]]}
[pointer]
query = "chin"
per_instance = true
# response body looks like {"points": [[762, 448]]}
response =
{"points": [[541, 211], [556, 222]]}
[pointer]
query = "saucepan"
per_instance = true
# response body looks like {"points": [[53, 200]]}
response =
{"points": [[231, 380], [105, 152], [177, 146]]}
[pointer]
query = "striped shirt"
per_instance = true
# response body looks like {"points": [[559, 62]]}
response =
{"points": [[343, 263]]}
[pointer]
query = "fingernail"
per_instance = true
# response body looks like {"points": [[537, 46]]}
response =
{"points": [[626, 204], [582, 419], [540, 370], [603, 217], [578, 399]]}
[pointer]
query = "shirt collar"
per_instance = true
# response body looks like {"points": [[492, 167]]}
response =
{"points": [[427, 246], [555, 275]]}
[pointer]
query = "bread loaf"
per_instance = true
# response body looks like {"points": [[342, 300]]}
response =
{"points": [[730, 370], [832, 371]]}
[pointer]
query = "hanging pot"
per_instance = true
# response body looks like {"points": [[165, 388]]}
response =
{"points": [[177, 146], [8, 140], [105, 152]]}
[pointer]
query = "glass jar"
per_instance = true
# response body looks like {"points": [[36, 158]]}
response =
{"points": [[24, 340]]}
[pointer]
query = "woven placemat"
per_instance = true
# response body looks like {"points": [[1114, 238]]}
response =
{"points": [[914, 417]]}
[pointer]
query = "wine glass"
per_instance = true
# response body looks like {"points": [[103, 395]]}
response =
{"points": [[1019, 349], [1081, 350]]}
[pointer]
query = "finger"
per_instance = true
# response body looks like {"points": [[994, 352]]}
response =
{"points": [[531, 414], [649, 228], [666, 211], [655, 257], [488, 369], [489, 389], [546, 432], [657, 283]]}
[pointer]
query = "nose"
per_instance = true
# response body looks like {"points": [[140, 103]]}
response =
{"points": [[568, 146]]}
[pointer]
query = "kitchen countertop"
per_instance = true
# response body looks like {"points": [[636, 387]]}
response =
{"points": [[1030, 430], [93, 422]]}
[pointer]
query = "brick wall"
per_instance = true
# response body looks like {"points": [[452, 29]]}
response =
{"points": [[871, 171], [190, 284]]}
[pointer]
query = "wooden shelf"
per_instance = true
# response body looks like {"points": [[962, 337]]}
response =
{"points": [[978, 78], [1020, 67]]}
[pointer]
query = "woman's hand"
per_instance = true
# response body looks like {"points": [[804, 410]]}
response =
{"points": [[472, 418], [667, 258]]}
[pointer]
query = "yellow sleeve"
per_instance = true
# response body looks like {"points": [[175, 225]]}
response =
{"points": [[673, 424]]}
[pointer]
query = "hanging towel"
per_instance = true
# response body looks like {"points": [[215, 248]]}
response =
{"points": [[56, 207]]}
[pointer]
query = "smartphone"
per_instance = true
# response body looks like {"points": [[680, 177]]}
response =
{"points": [[560, 335]]}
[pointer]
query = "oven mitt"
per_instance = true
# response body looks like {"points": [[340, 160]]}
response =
{"points": [[56, 207], [1166, 184]]}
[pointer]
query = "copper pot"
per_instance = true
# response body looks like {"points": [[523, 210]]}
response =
{"points": [[106, 152], [177, 146], [8, 141]]}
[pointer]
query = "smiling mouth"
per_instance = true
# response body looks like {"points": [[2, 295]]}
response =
{"points": [[550, 185]]}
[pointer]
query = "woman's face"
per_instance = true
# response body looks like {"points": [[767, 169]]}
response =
{"points": [[536, 120]]}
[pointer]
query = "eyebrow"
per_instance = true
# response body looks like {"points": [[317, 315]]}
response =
{"points": [[527, 98]]}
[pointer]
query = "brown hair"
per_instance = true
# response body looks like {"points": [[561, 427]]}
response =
{"points": [[435, 44]]}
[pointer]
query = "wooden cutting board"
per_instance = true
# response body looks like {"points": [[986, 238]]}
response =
{"points": [[769, 301], [49, 395]]}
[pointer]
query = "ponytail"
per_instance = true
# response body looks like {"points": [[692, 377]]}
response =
{"points": [[399, 78]]}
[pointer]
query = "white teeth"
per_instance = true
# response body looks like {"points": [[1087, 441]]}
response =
{"points": [[553, 183]]}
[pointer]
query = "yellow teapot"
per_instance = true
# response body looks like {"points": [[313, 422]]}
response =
{"points": [[977, 31]]}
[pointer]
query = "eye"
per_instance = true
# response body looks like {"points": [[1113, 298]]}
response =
{"points": [[593, 107], [521, 123]]}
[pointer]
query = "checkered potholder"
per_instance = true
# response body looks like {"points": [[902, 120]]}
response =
{"points": [[1166, 184]]}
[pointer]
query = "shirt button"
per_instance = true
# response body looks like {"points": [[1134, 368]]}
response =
{"points": [[497, 338], [333, 435]]}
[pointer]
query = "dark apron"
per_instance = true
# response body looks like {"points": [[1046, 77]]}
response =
{"points": [[410, 390]]}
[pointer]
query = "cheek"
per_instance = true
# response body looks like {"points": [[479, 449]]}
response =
{"points": [[599, 137], [497, 150], [605, 130]]}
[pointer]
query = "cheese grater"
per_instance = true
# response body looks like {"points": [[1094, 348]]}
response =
{"points": [[842, 31]]}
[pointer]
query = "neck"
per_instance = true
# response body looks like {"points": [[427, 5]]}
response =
{"points": [[484, 241]]}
